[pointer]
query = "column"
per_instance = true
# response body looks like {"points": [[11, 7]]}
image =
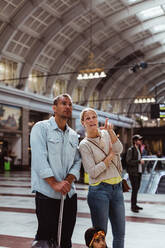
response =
{"points": [[25, 137]]}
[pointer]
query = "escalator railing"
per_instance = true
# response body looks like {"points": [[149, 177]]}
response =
{"points": [[155, 175]]}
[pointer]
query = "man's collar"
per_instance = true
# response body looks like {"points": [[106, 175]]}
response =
{"points": [[55, 126]]}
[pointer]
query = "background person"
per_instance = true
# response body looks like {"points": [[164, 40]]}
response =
{"points": [[55, 165], [100, 151], [134, 169], [95, 238]]}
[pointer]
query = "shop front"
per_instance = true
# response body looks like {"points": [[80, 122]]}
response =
{"points": [[10, 136]]}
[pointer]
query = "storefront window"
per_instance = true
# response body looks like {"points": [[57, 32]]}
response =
{"points": [[10, 117]]}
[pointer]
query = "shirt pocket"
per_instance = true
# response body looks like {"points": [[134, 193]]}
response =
{"points": [[53, 145], [73, 145]]}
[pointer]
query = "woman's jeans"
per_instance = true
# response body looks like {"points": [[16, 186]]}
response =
{"points": [[106, 201]]}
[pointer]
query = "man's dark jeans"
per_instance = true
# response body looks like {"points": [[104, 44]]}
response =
{"points": [[135, 183], [47, 211]]}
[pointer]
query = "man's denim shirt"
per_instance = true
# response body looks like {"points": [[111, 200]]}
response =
{"points": [[54, 153]]}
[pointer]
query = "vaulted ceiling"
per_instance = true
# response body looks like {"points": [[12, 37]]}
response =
{"points": [[55, 36]]}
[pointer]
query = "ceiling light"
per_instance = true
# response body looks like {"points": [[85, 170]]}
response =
{"points": [[144, 100], [144, 118], [79, 77], [136, 101], [91, 73], [152, 99]]}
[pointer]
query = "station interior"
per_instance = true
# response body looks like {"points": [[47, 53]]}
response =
{"points": [[106, 54]]}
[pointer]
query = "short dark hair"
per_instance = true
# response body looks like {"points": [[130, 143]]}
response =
{"points": [[57, 98], [90, 233]]}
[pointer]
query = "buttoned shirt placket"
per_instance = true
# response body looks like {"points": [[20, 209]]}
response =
{"points": [[63, 138]]}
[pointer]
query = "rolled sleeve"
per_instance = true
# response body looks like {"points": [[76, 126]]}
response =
{"points": [[39, 152], [117, 147], [45, 173]]}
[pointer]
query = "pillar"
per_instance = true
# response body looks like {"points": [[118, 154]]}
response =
{"points": [[25, 137]]}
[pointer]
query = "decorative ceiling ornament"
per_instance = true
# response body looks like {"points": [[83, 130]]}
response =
{"points": [[91, 70]]}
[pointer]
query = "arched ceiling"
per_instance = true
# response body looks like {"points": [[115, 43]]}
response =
{"points": [[55, 36]]}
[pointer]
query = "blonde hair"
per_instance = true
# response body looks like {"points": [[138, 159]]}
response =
{"points": [[83, 113]]}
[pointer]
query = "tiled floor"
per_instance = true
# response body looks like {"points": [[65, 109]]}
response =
{"points": [[18, 221]]}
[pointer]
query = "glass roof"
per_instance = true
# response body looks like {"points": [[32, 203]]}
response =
{"points": [[158, 28], [150, 13], [55, 36]]}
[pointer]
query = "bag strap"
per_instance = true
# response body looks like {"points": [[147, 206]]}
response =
{"points": [[105, 154], [97, 146]]}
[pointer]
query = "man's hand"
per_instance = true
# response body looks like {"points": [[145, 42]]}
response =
{"points": [[70, 178], [63, 187], [142, 161]]}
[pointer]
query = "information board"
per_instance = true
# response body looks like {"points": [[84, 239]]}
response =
{"points": [[157, 110]]}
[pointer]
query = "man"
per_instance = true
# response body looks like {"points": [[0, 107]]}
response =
{"points": [[134, 169], [55, 165], [95, 238]]}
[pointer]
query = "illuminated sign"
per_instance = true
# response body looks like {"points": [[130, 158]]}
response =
{"points": [[157, 110]]}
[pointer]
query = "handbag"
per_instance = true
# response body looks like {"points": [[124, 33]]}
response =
{"points": [[125, 185]]}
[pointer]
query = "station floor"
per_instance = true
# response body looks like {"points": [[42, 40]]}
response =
{"points": [[145, 229]]}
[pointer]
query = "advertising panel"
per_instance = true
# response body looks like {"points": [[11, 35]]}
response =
{"points": [[10, 117]]}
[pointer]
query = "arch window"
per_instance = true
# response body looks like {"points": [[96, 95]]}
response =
{"points": [[77, 95], [59, 87], [93, 100], [8, 72], [36, 82]]}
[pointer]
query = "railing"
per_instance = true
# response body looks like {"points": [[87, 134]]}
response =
{"points": [[152, 175]]}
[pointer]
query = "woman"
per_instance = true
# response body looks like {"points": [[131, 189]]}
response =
{"points": [[100, 151]]}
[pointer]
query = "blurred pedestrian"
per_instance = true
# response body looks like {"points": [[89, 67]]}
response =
{"points": [[134, 169]]}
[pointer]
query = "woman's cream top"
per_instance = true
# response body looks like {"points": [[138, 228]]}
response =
{"points": [[92, 157]]}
